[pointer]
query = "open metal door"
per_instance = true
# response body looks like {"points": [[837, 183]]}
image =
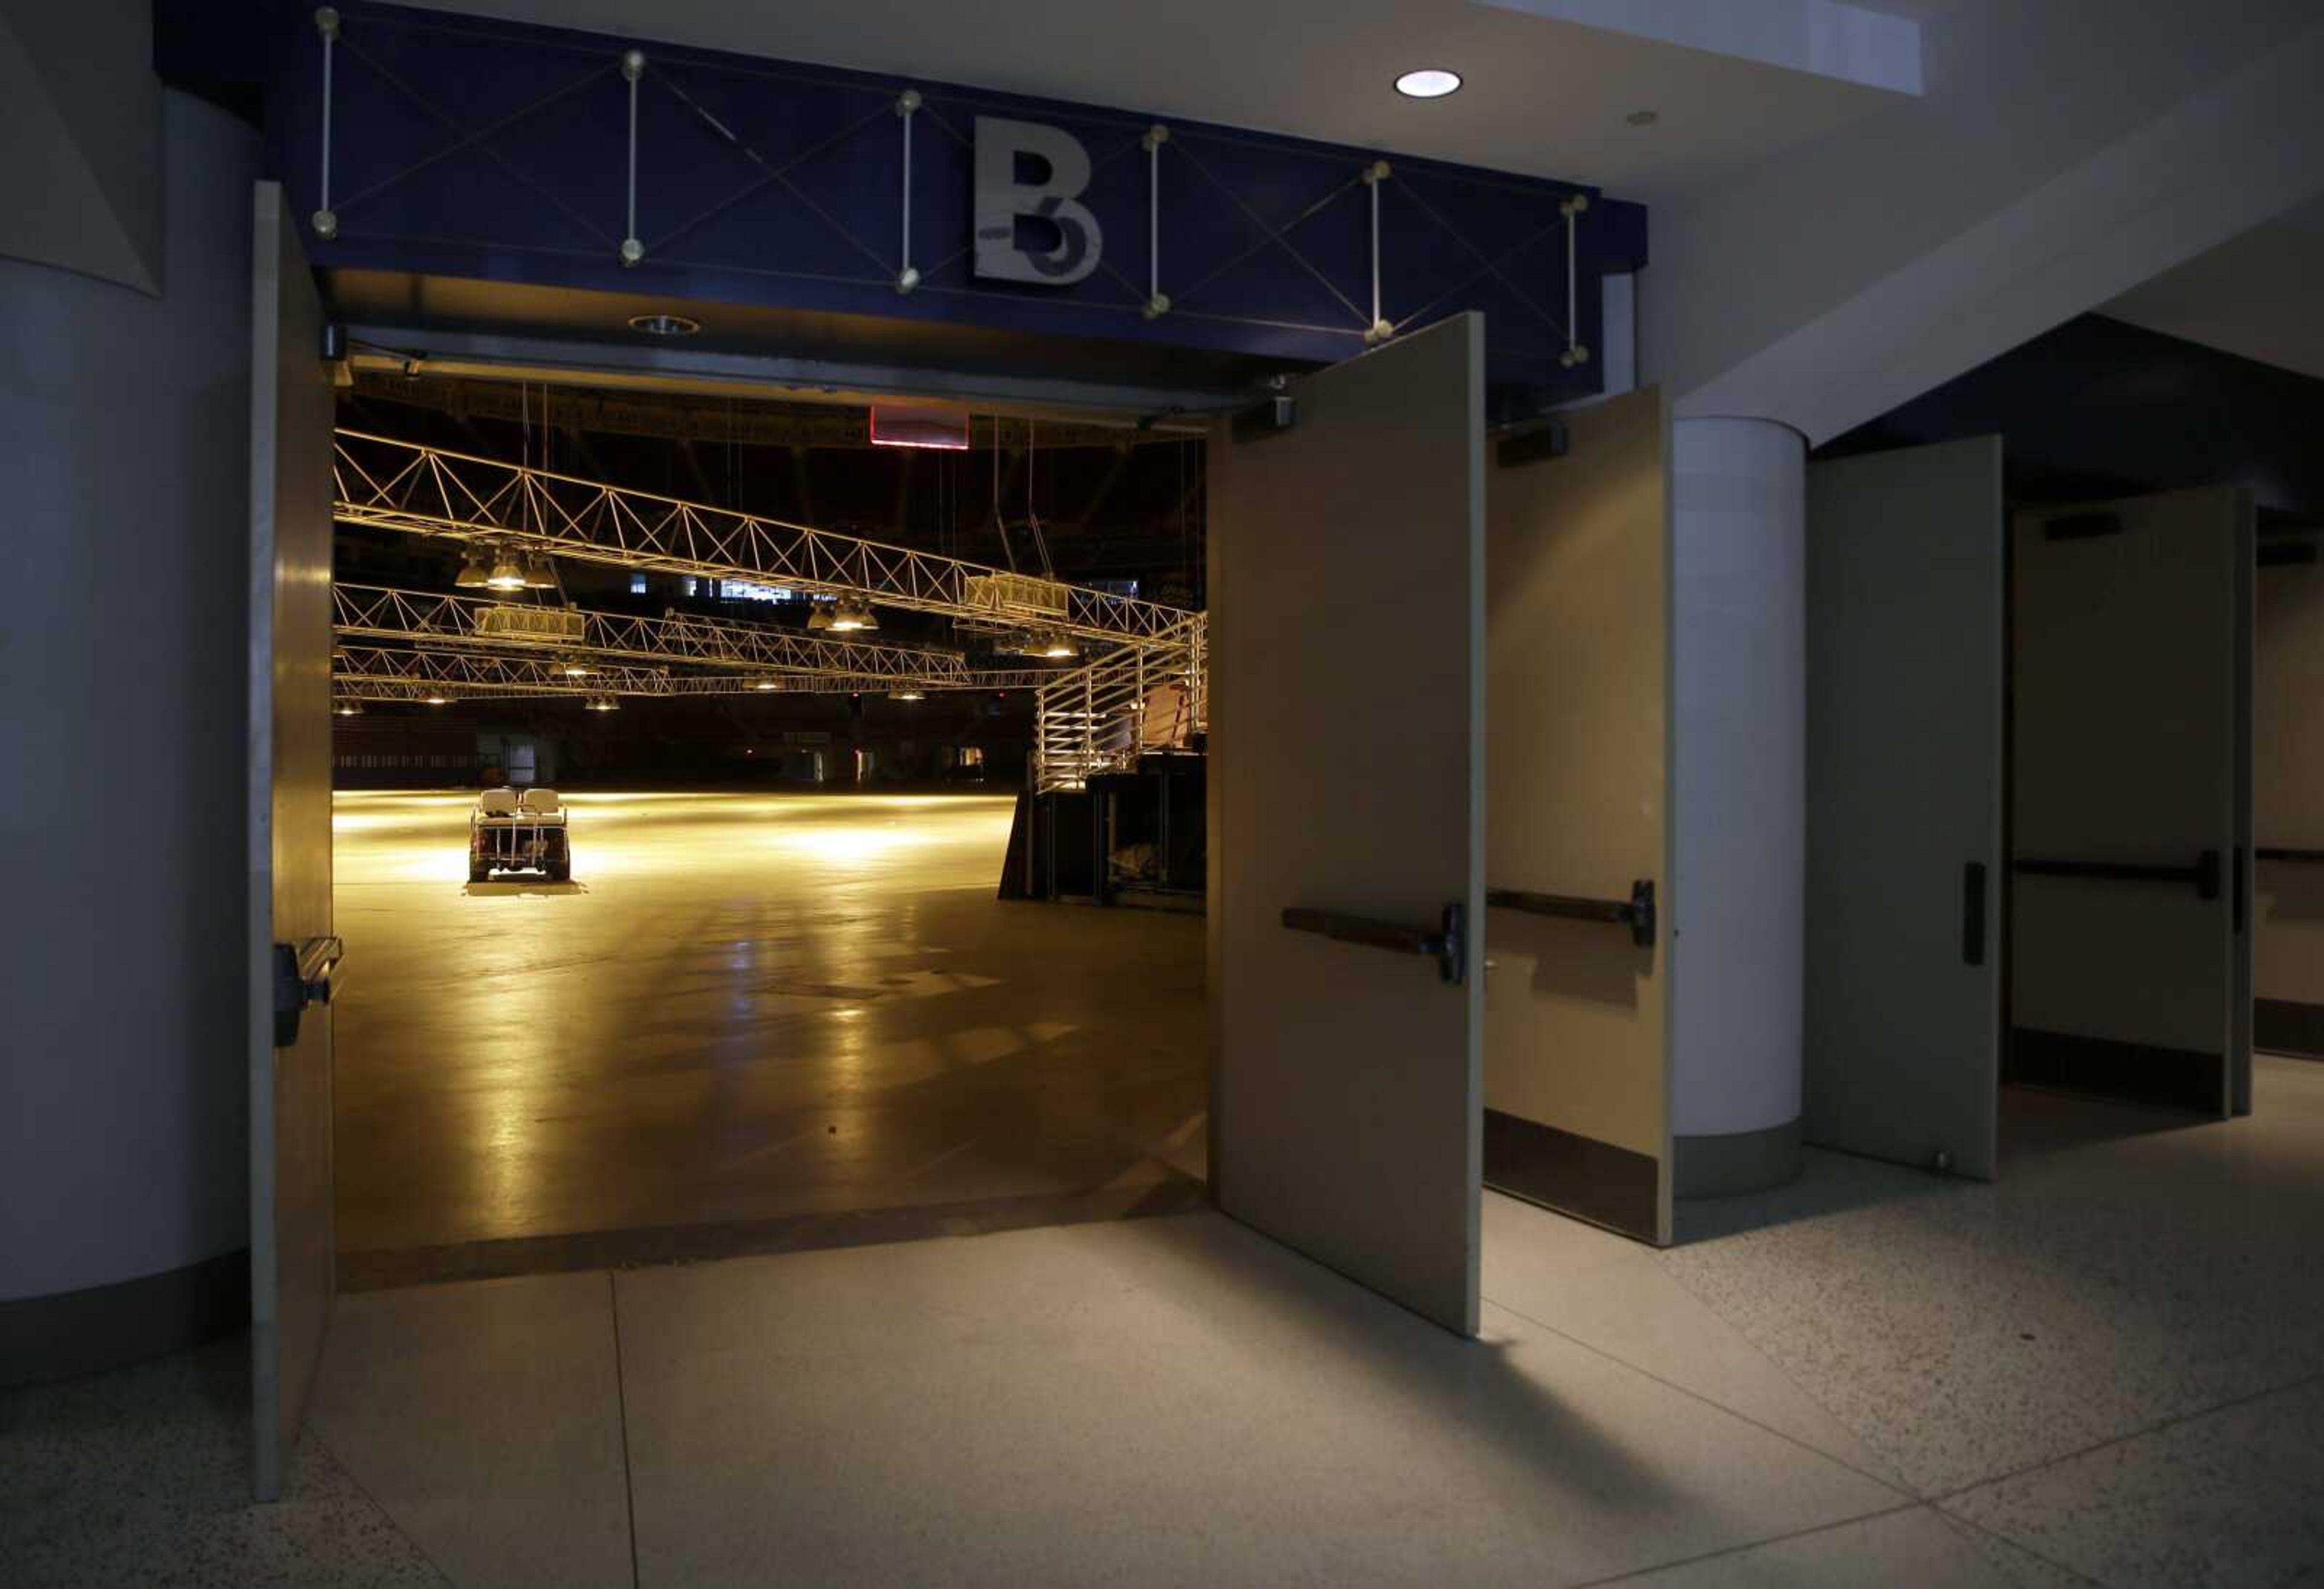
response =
{"points": [[1905, 563], [2130, 947], [1347, 818], [293, 955], [1577, 638]]}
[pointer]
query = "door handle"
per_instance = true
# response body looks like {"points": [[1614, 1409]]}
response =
{"points": [[1973, 913], [304, 974], [1636, 912], [1446, 944]]}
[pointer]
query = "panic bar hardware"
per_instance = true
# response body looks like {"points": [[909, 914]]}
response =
{"points": [[1447, 944], [1636, 912], [2279, 853], [303, 975], [2204, 875]]}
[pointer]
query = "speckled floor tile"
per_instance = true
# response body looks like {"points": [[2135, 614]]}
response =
{"points": [[2227, 1498], [1614, 1296], [2126, 1268], [486, 1419], [1916, 1548], [142, 1477], [1164, 1401]]}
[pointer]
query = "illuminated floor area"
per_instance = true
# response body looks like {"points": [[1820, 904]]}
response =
{"points": [[749, 1023]]}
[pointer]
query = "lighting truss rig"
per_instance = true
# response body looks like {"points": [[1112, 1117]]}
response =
{"points": [[426, 491], [394, 673], [378, 613]]}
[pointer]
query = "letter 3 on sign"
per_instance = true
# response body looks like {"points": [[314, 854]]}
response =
{"points": [[1002, 198]]}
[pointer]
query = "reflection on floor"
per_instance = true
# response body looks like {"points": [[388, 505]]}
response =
{"points": [[2101, 1369], [748, 1020]]}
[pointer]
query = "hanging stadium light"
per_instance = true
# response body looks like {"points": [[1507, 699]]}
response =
{"points": [[508, 574], [439, 699], [537, 575], [848, 617], [819, 619], [907, 695], [604, 703], [473, 575], [346, 708], [573, 668], [768, 685], [1057, 643]]}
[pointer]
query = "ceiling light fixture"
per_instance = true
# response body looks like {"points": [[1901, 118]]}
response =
{"points": [[1428, 83], [848, 617], [604, 703], [537, 575], [907, 695], [439, 699], [665, 325], [473, 575], [1057, 644], [765, 685], [347, 709], [508, 574]]}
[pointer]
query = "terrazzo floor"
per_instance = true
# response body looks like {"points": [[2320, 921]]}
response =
{"points": [[2101, 1369]]}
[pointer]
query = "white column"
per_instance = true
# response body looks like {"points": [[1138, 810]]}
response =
{"points": [[125, 465], [1738, 801]]}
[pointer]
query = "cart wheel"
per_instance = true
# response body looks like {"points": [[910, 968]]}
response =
{"points": [[477, 874], [561, 870]]}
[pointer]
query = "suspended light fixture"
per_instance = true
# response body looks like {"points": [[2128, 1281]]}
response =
{"points": [[819, 619], [573, 668], [508, 574], [1056, 643], [604, 703], [907, 695], [473, 575], [537, 575], [439, 699], [847, 617], [764, 685], [346, 708]]}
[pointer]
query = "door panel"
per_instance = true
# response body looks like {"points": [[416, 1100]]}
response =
{"points": [[1904, 569], [1346, 570], [292, 1252], [1577, 643], [2123, 960]]}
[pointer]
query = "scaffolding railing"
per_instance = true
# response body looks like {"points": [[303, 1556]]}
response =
{"points": [[1101, 717]]}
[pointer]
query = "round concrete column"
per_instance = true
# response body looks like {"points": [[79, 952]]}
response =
{"points": [[125, 471], [1738, 801]]}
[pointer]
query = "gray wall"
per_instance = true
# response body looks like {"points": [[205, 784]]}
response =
{"points": [[2288, 794], [81, 138], [126, 473]]}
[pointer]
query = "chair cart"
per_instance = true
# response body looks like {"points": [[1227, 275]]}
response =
{"points": [[513, 832]]}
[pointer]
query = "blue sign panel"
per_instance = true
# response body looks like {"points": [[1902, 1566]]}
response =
{"points": [[462, 147]]}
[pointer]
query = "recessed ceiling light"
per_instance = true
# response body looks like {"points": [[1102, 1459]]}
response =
{"points": [[664, 325], [1642, 118], [1429, 83]]}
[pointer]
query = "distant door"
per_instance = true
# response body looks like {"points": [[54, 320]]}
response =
{"points": [[1346, 828], [1577, 637], [292, 954], [2130, 940], [1906, 561]]}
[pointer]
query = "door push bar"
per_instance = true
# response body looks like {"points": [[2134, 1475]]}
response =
{"points": [[2204, 875], [1448, 943], [1636, 912], [303, 975]]}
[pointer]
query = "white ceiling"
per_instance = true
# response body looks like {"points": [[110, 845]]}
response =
{"points": [[2260, 295], [1544, 96]]}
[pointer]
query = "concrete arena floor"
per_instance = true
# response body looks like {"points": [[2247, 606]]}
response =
{"points": [[748, 1020]]}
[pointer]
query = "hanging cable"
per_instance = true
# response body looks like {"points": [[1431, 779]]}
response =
{"points": [[999, 523], [633, 67], [907, 102], [327, 223], [1380, 329], [1157, 302], [1033, 519]]}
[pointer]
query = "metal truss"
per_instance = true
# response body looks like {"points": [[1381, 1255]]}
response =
{"points": [[383, 673], [1101, 717], [376, 613], [428, 491]]}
